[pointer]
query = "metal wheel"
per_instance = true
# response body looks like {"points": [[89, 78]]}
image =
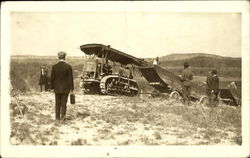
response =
{"points": [[175, 95], [204, 101]]}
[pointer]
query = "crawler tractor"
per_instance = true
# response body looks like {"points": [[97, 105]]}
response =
{"points": [[109, 71]]}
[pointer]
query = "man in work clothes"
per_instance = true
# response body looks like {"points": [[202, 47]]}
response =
{"points": [[62, 83], [186, 78]]}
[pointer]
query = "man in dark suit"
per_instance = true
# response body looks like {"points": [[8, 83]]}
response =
{"points": [[62, 83], [44, 79], [213, 88]]}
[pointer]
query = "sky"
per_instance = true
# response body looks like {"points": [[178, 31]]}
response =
{"points": [[141, 34]]}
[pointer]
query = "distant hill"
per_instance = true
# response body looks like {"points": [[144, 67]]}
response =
{"points": [[182, 56], [197, 60], [200, 60], [204, 61], [190, 55]]}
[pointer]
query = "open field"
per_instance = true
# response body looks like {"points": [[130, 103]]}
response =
{"points": [[120, 120]]}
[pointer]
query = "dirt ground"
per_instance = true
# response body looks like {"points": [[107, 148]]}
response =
{"points": [[121, 120]]}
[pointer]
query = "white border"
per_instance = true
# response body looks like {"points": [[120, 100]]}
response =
{"points": [[127, 151]]}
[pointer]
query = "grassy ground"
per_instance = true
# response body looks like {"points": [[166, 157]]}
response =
{"points": [[116, 120], [120, 120]]}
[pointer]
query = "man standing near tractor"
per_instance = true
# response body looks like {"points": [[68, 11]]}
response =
{"points": [[213, 87], [186, 78], [62, 83], [156, 61]]}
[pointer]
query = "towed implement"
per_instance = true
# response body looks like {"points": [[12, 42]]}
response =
{"points": [[165, 81], [109, 71]]}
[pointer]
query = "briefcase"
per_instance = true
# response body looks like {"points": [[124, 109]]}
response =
{"points": [[72, 99]]}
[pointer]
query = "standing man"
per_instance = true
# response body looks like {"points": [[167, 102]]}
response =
{"points": [[62, 83], [186, 78], [156, 61], [44, 79], [214, 87]]}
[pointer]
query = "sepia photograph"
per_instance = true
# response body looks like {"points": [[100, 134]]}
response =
{"points": [[124, 79]]}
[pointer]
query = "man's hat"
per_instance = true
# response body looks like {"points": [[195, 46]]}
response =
{"points": [[186, 64], [214, 71], [61, 54]]}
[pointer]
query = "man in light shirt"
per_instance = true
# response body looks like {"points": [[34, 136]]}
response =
{"points": [[156, 61]]}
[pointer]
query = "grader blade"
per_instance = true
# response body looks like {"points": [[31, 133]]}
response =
{"points": [[166, 81]]}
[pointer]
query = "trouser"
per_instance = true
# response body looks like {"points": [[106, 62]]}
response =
{"points": [[45, 87], [42, 86], [61, 105], [213, 98], [186, 94]]}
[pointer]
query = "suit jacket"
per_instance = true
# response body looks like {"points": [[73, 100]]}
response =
{"points": [[62, 78], [215, 83]]}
